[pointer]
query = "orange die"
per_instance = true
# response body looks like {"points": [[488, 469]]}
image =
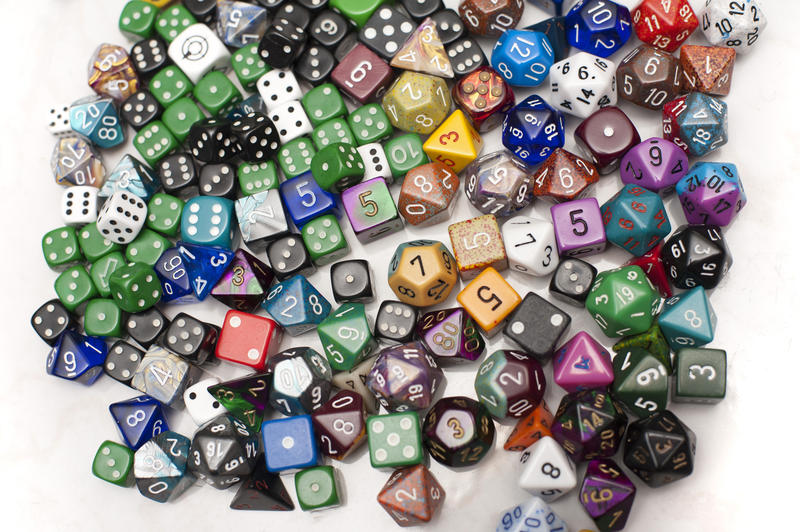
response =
{"points": [[478, 243], [455, 143], [427, 194], [489, 299], [247, 339], [564, 177], [530, 429], [158, 3]]}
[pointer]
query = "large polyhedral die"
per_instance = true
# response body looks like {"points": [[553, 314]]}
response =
{"points": [[405, 377], [589, 424], [711, 193], [498, 184], [623, 301], [698, 123], [635, 219]]}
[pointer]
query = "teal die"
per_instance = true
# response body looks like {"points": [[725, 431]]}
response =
{"points": [[93, 244], [334, 130], [97, 119], [295, 157], [137, 19], [60, 247], [172, 21], [154, 142], [324, 103], [395, 440], [369, 124], [208, 221], [100, 271], [257, 177], [180, 116], [74, 287], [217, 93], [248, 65], [324, 240], [635, 219], [169, 85], [404, 154], [688, 320]]}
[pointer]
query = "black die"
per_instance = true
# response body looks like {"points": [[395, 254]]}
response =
{"points": [[315, 65], [449, 26], [328, 29], [149, 56], [145, 328], [258, 137], [696, 255], [271, 4], [122, 361], [349, 42], [537, 326], [50, 320], [395, 322], [294, 12], [352, 281], [191, 339], [376, 39], [177, 172], [211, 140], [289, 257], [282, 44], [465, 56], [572, 281], [140, 108], [313, 5], [421, 9], [203, 10], [218, 180]]}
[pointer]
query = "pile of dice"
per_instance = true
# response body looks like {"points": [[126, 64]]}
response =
{"points": [[331, 81]]}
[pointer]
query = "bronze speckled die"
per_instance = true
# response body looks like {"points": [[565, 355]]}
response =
{"points": [[564, 177], [707, 69], [111, 73], [478, 243], [427, 194], [649, 77], [490, 18]]}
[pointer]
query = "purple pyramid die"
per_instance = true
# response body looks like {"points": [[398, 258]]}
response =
{"points": [[582, 363]]}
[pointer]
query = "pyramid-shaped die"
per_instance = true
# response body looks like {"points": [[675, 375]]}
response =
{"points": [[582, 363]]}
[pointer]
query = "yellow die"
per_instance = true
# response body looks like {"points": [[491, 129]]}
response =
{"points": [[416, 102], [489, 299], [455, 143], [422, 272], [159, 3]]}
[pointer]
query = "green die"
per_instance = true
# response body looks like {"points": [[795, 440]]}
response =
{"points": [[641, 382], [93, 244], [324, 240], [137, 19], [337, 167], [74, 287], [652, 340], [334, 130], [257, 177], [369, 124], [180, 116], [147, 247], [700, 375], [102, 318], [295, 157], [169, 85], [164, 214], [405, 153], [317, 488], [395, 440], [623, 301], [61, 248], [154, 141], [344, 351], [100, 271], [216, 93], [113, 462], [324, 103], [358, 11], [135, 287], [172, 21], [248, 65]]}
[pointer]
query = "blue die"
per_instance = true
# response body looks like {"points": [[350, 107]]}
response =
{"points": [[305, 200], [138, 419], [554, 7], [296, 305], [522, 57], [188, 272], [600, 27], [532, 129], [208, 221], [97, 119], [555, 30], [289, 443], [688, 320], [251, 104], [132, 175], [635, 219], [76, 357]]}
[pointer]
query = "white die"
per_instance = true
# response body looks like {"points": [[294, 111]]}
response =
{"points": [[724, 24], [583, 83], [79, 205], [530, 245], [201, 405], [291, 121], [197, 50], [547, 471], [58, 121], [122, 217], [277, 87], [375, 162]]}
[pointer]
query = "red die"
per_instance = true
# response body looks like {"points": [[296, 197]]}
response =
{"points": [[247, 339], [664, 24], [362, 75], [653, 267], [484, 96]]}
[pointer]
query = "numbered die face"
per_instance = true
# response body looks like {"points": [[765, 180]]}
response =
{"points": [[111, 73], [711, 193], [607, 494], [417, 102], [641, 381], [208, 221], [74, 162], [201, 405], [305, 200], [707, 69], [498, 184], [665, 25], [582, 363], [547, 471], [477, 244], [598, 27], [489, 299], [79, 205], [700, 376], [736, 26], [530, 245], [688, 320], [424, 52], [296, 305], [649, 77], [635, 219], [405, 152], [240, 23], [97, 120], [371, 210], [138, 419], [247, 339], [582, 84], [655, 164], [532, 130], [346, 336], [362, 75], [515, 394], [564, 177], [578, 227], [451, 336], [522, 57], [530, 429], [339, 424], [422, 273], [458, 431], [635, 314], [428, 193], [302, 381], [328, 29], [698, 123], [647, 461], [488, 18], [605, 137]]}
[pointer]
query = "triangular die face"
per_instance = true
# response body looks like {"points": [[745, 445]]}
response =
{"points": [[205, 266], [254, 389], [547, 468], [661, 446], [424, 52], [590, 420], [587, 361], [246, 279], [262, 491], [415, 485], [462, 139]]}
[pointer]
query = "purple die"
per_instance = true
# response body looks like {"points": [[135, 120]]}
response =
{"points": [[589, 424], [451, 335], [371, 210], [655, 164], [581, 364], [579, 227], [711, 194], [607, 494], [405, 377]]}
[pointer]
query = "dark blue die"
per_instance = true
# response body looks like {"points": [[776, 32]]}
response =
{"points": [[532, 129], [296, 305], [208, 221], [305, 200], [205, 266], [554, 7], [251, 104], [522, 57], [76, 357], [599, 27], [176, 284], [138, 419], [556, 31], [289, 443]]}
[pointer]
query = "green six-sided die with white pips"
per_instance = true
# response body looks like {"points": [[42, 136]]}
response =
{"points": [[395, 440]]}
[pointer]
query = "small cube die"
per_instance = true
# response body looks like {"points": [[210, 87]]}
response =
{"points": [[489, 299], [572, 281], [395, 440], [395, 322], [254, 178], [277, 87], [290, 120], [146, 327], [317, 488], [198, 50], [60, 248], [140, 108], [323, 103], [50, 320], [154, 141], [324, 240], [122, 217], [79, 205], [289, 443], [190, 338], [208, 221], [477, 244], [122, 361], [113, 461], [149, 56], [200, 404], [371, 210], [351, 280], [261, 218], [305, 200], [361, 74], [700, 375], [288, 256], [247, 339], [295, 157], [537, 326]]}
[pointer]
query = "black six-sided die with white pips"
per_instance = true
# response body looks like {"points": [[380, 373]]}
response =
{"points": [[50, 320], [177, 172], [140, 108], [122, 360], [149, 56], [572, 281], [218, 180], [537, 326], [288, 257], [395, 322], [146, 327]]}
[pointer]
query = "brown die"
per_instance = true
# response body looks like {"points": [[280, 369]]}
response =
{"points": [[707, 69], [564, 177], [111, 72], [649, 77], [490, 18], [478, 243], [427, 194]]}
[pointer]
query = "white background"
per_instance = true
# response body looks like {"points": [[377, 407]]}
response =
{"points": [[746, 458]]}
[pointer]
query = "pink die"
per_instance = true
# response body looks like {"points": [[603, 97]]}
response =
{"points": [[578, 227], [582, 364], [655, 164]]}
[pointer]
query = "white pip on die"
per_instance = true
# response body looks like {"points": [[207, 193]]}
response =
{"points": [[122, 217], [201, 405], [547, 471], [530, 245], [583, 83], [277, 87], [79, 205], [197, 50], [375, 162], [291, 121]]}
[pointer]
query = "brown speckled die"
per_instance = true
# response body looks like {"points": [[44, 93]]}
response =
{"points": [[707, 69], [478, 243], [490, 18], [564, 177]]}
